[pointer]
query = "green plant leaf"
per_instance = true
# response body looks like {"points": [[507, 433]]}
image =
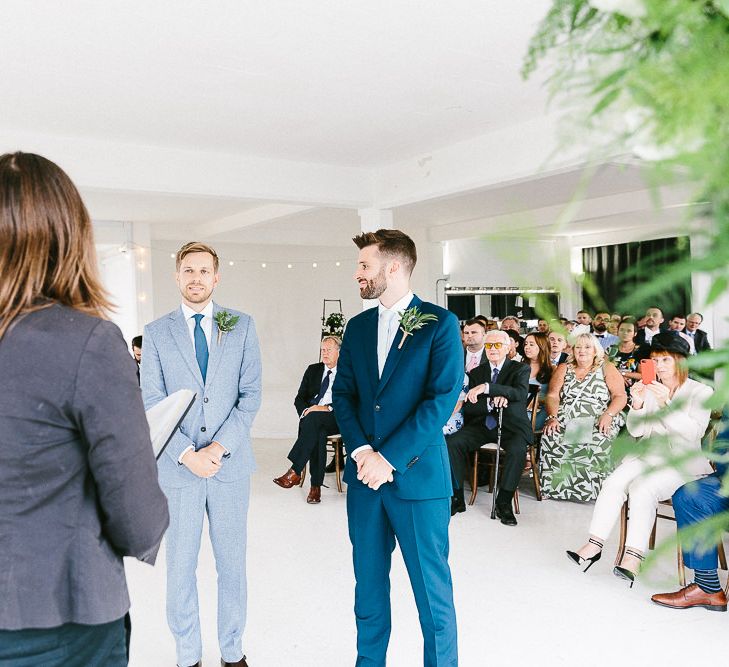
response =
{"points": [[718, 287]]}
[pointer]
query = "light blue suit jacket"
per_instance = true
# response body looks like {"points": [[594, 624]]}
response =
{"points": [[226, 403]]}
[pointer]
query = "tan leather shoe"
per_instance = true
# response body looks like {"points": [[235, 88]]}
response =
{"points": [[241, 663], [692, 596], [286, 481], [314, 496]]}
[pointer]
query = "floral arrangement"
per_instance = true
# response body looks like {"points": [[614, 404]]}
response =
{"points": [[333, 325]]}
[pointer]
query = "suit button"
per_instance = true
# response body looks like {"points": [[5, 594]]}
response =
{"points": [[203, 429], [206, 399], [377, 408]]}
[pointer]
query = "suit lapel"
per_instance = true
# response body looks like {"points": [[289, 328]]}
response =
{"points": [[395, 353], [216, 350], [370, 346], [181, 335]]}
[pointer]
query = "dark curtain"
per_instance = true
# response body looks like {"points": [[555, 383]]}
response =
{"points": [[463, 305], [616, 270]]}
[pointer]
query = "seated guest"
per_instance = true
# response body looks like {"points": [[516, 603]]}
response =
{"points": [[599, 327], [584, 318], [653, 320], [646, 478], [515, 348], [499, 384], [614, 324], [701, 339], [137, 352], [474, 334], [492, 325], [316, 421], [455, 421], [536, 351], [557, 344], [693, 503], [511, 323], [623, 354], [542, 326], [584, 404], [677, 323]]}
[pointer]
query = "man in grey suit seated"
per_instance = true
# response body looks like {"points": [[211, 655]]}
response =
{"points": [[207, 465]]}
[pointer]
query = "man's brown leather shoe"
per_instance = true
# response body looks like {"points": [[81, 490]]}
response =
{"points": [[692, 596], [314, 496], [241, 663], [287, 481]]}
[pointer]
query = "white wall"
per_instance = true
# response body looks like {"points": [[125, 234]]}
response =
{"points": [[286, 305]]}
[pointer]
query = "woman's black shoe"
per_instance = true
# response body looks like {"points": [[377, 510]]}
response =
{"points": [[579, 560]]}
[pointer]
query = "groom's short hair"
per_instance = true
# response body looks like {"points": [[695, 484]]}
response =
{"points": [[391, 242], [196, 246]]}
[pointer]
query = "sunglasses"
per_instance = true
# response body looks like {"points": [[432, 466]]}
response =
{"points": [[496, 346]]}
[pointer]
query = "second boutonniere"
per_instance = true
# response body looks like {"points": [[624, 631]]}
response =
{"points": [[226, 322], [412, 320]]}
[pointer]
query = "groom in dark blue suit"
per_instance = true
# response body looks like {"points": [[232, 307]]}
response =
{"points": [[394, 391]]}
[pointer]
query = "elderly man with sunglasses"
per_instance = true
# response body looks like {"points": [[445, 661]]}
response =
{"points": [[501, 383]]}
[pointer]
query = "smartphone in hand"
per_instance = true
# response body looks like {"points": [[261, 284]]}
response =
{"points": [[647, 371]]}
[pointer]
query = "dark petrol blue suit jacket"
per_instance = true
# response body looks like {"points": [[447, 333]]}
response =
{"points": [[401, 414]]}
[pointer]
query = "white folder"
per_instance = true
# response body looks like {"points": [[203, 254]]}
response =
{"points": [[165, 417]]}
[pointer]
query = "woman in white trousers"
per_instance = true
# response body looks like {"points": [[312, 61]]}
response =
{"points": [[673, 413]]}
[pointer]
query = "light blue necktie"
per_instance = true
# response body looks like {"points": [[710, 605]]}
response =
{"points": [[201, 346], [490, 419]]}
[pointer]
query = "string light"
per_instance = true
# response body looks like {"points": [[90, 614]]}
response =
{"points": [[140, 251]]}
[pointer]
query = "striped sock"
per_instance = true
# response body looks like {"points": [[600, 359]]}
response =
{"points": [[707, 580]]}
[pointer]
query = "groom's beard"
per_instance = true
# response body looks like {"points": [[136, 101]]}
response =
{"points": [[375, 287], [200, 295]]}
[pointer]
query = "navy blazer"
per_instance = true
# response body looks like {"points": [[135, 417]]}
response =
{"points": [[309, 387], [402, 413]]}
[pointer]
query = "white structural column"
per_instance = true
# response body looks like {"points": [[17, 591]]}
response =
{"points": [[370, 220], [715, 323]]}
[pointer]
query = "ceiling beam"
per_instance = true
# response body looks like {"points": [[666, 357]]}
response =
{"points": [[248, 218]]}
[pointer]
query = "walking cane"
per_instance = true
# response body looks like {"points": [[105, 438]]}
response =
{"points": [[496, 469]]}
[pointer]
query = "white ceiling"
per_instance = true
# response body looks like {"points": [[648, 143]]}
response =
{"points": [[362, 82], [277, 101]]}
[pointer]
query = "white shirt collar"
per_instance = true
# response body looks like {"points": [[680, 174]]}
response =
{"points": [[205, 312], [333, 369], [398, 307]]}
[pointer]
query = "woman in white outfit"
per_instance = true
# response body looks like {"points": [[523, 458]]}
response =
{"points": [[648, 478]]}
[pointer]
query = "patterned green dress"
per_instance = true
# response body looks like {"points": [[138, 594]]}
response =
{"points": [[576, 471]]}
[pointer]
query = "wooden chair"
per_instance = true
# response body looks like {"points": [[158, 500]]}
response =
{"points": [[334, 445], [652, 541]]}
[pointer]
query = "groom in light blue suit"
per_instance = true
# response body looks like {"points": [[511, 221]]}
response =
{"points": [[207, 464]]}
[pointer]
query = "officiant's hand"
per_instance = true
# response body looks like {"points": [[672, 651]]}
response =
{"points": [[202, 463], [373, 470]]}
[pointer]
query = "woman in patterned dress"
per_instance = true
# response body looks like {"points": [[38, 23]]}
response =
{"points": [[584, 404]]}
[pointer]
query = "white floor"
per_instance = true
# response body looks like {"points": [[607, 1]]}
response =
{"points": [[519, 601]]}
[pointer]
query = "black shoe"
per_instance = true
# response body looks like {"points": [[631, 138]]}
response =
{"points": [[458, 504], [506, 515], [331, 467], [580, 561]]}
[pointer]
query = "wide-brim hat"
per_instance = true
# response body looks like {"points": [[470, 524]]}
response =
{"points": [[670, 341]]}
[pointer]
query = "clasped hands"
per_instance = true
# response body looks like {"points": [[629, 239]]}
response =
{"points": [[498, 401], [372, 469], [638, 393], [205, 462]]}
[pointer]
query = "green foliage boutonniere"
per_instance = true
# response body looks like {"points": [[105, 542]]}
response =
{"points": [[412, 320], [226, 322]]}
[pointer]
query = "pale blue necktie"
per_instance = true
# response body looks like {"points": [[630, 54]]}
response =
{"points": [[490, 419], [201, 346]]}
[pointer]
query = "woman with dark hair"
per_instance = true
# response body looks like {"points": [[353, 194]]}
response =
{"points": [[515, 348], [536, 353], [672, 459], [78, 480]]}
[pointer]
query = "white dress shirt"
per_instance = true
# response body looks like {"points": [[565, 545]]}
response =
{"points": [[327, 398], [387, 330], [206, 323]]}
